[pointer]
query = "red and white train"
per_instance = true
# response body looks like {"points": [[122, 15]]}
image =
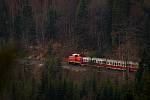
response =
{"points": [[103, 62]]}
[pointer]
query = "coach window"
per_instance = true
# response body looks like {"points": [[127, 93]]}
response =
{"points": [[94, 61], [113, 63], [104, 62], [107, 62]]}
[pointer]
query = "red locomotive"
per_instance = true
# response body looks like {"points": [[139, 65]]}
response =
{"points": [[103, 62], [75, 59]]}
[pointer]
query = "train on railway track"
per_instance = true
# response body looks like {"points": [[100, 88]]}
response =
{"points": [[103, 62]]}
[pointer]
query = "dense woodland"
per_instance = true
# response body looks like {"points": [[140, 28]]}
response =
{"points": [[54, 29], [110, 28]]}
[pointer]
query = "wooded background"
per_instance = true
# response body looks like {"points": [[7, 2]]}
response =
{"points": [[110, 28]]}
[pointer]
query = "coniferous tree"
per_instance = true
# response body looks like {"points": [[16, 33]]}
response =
{"points": [[120, 14], [18, 26], [104, 28], [50, 27], [139, 74], [28, 22], [4, 20], [81, 25], [146, 75]]}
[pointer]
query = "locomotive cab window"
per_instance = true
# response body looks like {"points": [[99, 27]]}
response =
{"points": [[76, 55]]}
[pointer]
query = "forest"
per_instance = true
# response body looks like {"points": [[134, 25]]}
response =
{"points": [[37, 35]]}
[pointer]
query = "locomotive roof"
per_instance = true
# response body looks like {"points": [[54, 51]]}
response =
{"points": [[75, 54]]}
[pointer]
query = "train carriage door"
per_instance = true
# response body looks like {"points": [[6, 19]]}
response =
{"points": [[93, 60]]}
